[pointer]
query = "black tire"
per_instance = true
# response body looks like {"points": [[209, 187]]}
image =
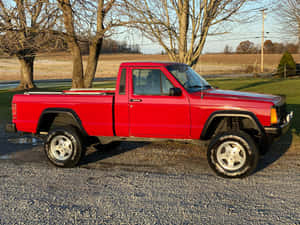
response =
{"points": [[264, 149], [233, 154], [63, 147]]}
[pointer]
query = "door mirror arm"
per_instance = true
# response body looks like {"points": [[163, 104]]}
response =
{"points": [[175, 91]]}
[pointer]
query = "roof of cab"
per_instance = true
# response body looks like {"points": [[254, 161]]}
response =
{"points": [[149, 63]]}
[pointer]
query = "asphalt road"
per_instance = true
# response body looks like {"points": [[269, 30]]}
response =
{"points": [[144, 183]]}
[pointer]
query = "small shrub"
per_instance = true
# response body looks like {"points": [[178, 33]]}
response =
{"points": [[249, 69], [287, 63]]}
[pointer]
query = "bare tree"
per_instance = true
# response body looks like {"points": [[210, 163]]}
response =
{"points": [[227, 49], [96, 30], [181, 27], [268, 47], [289, 16], [246, 47], [24, 30]]}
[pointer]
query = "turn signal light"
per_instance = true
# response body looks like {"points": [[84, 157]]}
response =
{"points": [[274, 119]]}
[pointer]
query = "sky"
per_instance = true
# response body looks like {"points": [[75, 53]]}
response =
{"points": [[252, 31], [237, 32]]}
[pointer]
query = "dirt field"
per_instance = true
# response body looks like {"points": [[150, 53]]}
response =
{"points": [[60, 65]]}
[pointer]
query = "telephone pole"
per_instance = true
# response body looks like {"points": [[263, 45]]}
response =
{"points": [[262, 41]]}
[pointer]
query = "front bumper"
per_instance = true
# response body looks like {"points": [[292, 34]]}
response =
{"points": [[280, 129], [11, 128]]}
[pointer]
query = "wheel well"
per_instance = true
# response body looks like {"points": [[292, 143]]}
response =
{"points": [[221, 124], [49, 121]]}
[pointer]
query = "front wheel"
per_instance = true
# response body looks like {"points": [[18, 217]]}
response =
{"points": [[63, 147], [233, 154]]}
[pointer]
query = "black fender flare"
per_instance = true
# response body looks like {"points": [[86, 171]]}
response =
{"points": [[231, 113], [67, 111]]}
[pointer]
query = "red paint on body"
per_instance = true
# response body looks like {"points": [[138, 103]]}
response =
{"points": [[151, 116]]}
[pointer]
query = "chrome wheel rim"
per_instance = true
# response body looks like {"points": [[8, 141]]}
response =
{"points": [[231, 155], [61, 148]]}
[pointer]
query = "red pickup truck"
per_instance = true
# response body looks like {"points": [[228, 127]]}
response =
{"points": [[155, 101]]}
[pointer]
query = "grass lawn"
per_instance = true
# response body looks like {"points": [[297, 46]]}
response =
{"points": [[289, 88]]}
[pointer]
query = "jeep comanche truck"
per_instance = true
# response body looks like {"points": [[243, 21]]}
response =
{"points": [[155, 101]]}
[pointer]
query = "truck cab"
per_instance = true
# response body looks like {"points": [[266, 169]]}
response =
{"points": [[151, 103]]}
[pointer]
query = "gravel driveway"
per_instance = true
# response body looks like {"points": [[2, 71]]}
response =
{"points": [[145, 183]]}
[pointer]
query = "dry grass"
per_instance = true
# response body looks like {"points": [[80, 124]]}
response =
{"points": [[237, 63], [270, 59], [59, 65]]}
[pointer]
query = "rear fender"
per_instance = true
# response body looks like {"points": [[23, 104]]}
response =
{"points": [[49, 114]]}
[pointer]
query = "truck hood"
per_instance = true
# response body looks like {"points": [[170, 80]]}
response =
{"points": [[218, 93]]}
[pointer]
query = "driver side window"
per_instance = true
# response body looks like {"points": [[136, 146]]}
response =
{"points": [[150, 82]]}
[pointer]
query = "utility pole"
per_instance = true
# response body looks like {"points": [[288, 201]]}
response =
{"points": [[299, 35], [262, 41]]}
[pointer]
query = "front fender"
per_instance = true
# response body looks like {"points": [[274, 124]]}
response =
{"points": [[230, 113]]}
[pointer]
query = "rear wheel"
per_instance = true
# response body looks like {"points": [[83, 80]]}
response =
{"points": [[233, 154], [63, 147]]}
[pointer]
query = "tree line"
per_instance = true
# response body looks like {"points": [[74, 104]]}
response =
{"points": [[180, 27], [248, 47], [109, 46]]}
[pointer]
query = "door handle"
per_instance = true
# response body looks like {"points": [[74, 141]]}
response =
{"points": [[136, 100]]}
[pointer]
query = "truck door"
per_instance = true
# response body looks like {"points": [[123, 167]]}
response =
{"points": [[153, 112]]}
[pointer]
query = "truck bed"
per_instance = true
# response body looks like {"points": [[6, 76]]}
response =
{"points": [[93, 107]]}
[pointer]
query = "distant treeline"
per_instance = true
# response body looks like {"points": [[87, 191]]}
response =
{"points": [[112, 46], [108, 46], [248, 47]]}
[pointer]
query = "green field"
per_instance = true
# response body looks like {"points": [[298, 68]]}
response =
{"points": [[289, 88]]}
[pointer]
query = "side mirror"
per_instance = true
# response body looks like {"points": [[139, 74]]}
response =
{"points": [[175, 92]]}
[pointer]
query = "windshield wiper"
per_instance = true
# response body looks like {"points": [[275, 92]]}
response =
{"points": [[207, 86], [199, 86]]}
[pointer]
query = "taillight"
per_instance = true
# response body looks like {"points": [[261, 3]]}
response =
{"points": [[14, 111], [274, 118]]}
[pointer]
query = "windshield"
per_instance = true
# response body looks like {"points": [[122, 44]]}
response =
{"points": [[188, 78]]}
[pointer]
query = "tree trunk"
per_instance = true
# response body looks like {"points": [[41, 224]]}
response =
{"points": [[26, 81], [77, 77], [96, 45], [93, 57], [183, 30]]}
